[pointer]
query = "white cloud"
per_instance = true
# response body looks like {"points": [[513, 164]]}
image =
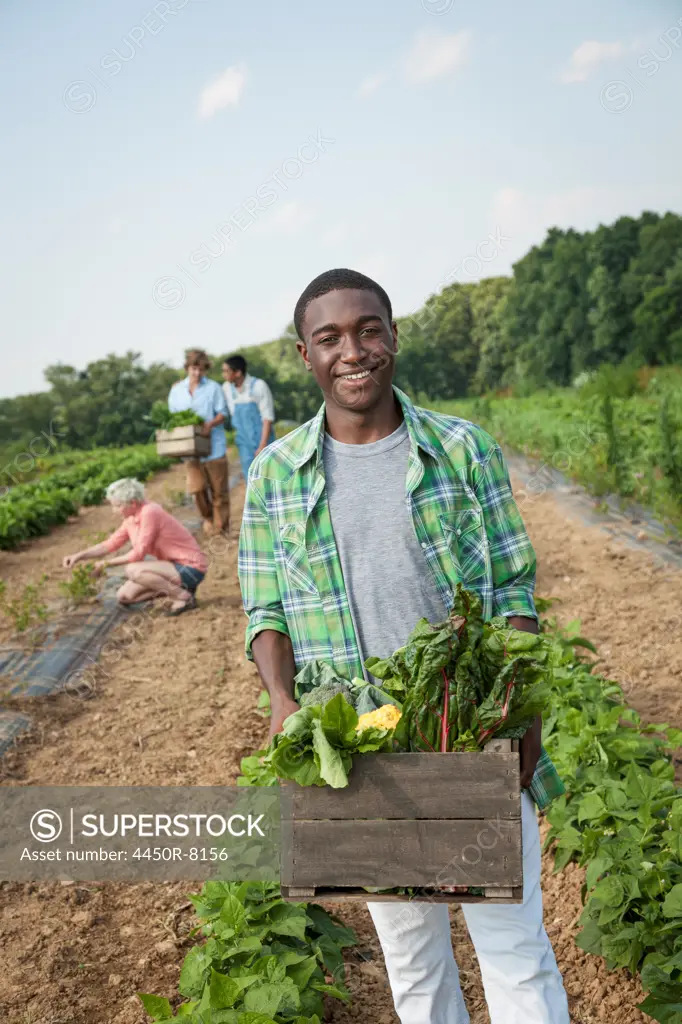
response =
{"points": [[587, 58], [223, 91], [371, 84], [434, 54]]}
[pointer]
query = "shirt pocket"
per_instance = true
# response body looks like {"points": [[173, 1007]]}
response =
{"points": [[467, 543], [295, 556]]}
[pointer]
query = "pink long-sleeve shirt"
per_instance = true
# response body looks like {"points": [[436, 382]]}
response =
{"points": [[153, 531]]}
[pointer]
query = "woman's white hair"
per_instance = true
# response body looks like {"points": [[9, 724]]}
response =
{"points": [[125, 491]]}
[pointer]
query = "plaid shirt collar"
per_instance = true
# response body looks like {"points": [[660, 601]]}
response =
{"points": [[309, 444]]}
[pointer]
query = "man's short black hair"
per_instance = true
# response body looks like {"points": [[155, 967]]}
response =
{"points": [[236, 363], [334, 280]]}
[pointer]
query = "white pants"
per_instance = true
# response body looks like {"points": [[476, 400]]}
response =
{"points": [[520, 976]]}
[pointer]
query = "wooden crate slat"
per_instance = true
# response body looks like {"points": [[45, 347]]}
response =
{"points": [[355, 895], [390, 853], [461, 785], [182, 441]]}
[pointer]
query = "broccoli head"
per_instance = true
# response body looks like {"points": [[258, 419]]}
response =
{"points": [[323, 694]]}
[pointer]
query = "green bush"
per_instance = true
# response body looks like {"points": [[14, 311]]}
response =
{"points": [[630, 446], [30, 510]]}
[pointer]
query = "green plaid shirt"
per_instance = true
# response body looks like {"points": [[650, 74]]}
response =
{"points": [[464, 516]]}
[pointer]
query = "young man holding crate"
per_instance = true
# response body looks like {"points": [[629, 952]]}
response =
{"points": [[356, 525]]}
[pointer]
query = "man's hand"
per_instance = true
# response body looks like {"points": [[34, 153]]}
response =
{"points": [[205, 430], [281, 709], [530, 752]]}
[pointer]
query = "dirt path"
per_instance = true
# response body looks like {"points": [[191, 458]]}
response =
{"points": [[174, 704]]}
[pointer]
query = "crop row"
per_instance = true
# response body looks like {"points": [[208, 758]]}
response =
{"points": [[610, 442], [621, 819], [31, 509]]}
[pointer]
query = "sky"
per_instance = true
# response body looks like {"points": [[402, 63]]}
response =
{"points": [[175, 172]]}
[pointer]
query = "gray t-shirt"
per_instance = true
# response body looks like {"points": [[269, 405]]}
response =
{"points": [[388, 582]]}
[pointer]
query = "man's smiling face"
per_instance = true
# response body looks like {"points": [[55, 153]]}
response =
{"points": [[350, 345]]}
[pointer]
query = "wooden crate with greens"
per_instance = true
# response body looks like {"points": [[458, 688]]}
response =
{"points": [[403, 773], [183, 442], [417, 823], [178, 434]]}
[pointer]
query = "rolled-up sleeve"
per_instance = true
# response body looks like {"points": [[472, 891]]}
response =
{"points": [[511, 553], [117, 539], [258, 571], [266, 405], [219, 403]]}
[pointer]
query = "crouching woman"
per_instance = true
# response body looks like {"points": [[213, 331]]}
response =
{"points": [[177, 565]]}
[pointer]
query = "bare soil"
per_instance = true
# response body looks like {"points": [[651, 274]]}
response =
{"points": [[174, 704]]}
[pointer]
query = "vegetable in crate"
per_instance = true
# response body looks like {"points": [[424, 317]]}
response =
{"points": [[318, 682], [464, 680], [317, 745], [461, 682], [162, 418]]}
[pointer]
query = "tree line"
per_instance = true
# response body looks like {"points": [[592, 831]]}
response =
{"points": [[574, 303]]}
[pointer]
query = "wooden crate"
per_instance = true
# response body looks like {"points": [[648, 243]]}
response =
{"points": [[410, 820], [182, 442]]}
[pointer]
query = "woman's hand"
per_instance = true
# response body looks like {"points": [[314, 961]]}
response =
{"points": [[99, 567], [70, 560]]}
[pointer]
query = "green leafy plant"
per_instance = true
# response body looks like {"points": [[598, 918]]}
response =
{"points": [[31, 509], [564, 429], [464, 680], [621, 819], [82, 586], [315, 748], [614, 458], [162, 418], [671, 449], [26, 609], [264, 961]]}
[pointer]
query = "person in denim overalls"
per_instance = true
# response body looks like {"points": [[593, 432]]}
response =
{"points": [[251, 408]]}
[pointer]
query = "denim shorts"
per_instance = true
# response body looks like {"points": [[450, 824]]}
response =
{"points": [[189, 577]]}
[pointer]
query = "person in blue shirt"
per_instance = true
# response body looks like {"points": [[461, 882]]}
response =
{"points": [[207, 479], [251, 408]]}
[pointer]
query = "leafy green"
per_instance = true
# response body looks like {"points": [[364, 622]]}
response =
{"points": [[621, 818], [164, 419], [31, 509], [315, 747], [323, 694], [318, 682], [264, 960], [156, 1007], [464, 680]]}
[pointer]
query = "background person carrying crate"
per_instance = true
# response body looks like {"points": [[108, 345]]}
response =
{"points": [[207, 478], [355, 526]]}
